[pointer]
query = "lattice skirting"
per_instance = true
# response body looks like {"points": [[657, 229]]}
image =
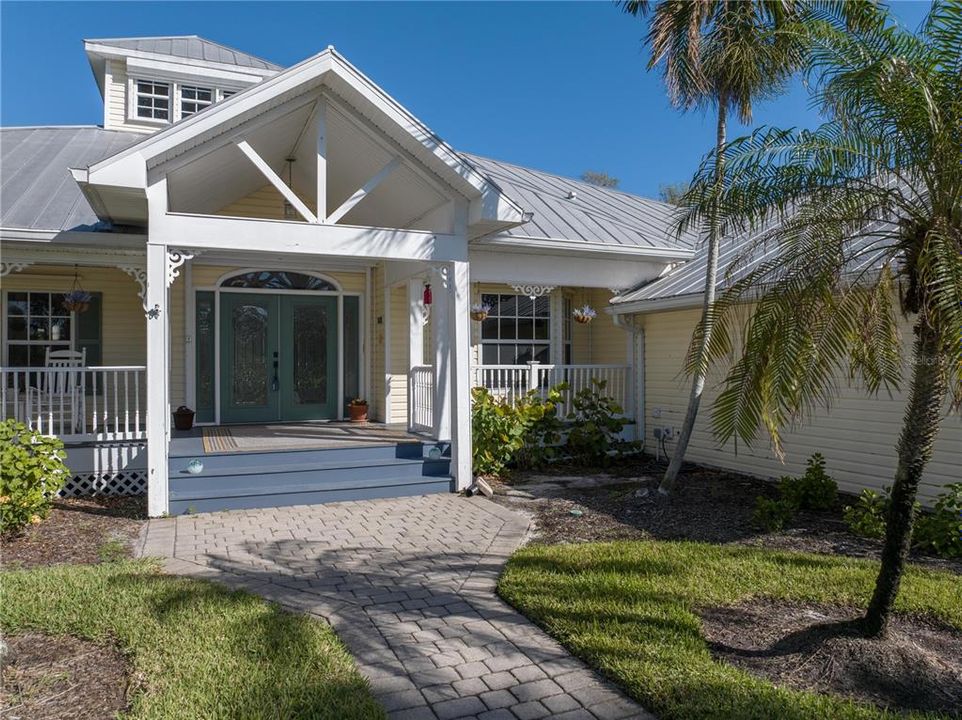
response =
{"points": [[106, 469], [123, 482]]}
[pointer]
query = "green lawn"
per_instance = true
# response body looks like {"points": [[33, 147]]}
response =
{"points": [[203, 651], [626, 608]]}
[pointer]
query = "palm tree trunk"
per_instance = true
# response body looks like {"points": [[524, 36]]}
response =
{"points": [[919, 428], [698, 381]]}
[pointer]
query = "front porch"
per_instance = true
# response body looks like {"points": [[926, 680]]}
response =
{"points": [[372, 343]]}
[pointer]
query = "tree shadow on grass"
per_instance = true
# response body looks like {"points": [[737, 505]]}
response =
{"points": [[228, 654]]}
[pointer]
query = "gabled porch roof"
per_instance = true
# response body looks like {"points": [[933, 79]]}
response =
{"points": [[115, 186]]}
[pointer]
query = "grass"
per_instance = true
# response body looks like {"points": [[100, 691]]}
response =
{"points": [[627, 608], [200, 650]]}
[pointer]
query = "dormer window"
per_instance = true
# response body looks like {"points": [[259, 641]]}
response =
{"points": [[194, 99], [153, 100]]}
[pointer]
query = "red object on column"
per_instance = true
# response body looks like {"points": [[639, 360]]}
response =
{"points": [[427, 294]]}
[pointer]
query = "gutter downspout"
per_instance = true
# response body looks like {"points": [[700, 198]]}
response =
{"points": [[638, 370]]}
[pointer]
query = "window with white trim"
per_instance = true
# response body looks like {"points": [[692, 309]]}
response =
{"points": [[36, 322], [224, 94], [193, 99], [153, 100], [516, 330]]}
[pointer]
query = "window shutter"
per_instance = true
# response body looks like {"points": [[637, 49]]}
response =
{"points": [[89, 330]]}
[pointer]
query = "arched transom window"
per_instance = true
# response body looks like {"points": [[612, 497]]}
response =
{"points": [[278, 280]]}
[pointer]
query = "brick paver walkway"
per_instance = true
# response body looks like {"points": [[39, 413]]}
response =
{"points": [[408, 584]]}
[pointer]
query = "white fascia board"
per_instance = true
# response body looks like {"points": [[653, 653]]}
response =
{"points": [[117, 53], [613, 273], [642, 307], [174, 71], [71, 237], [217, 232], [526, 244]]}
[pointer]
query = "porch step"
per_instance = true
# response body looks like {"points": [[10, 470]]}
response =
{"points": [[272, 479]]}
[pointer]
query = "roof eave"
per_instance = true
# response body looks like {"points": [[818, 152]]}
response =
{"points": [[579, 247], [643, 307]]}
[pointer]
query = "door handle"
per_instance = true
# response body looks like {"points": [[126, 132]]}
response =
{"points": [[275, 382]]}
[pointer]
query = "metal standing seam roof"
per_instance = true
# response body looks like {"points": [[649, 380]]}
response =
{"points": [[192, 47], [594, 214], [37, 191], [738, 255]]}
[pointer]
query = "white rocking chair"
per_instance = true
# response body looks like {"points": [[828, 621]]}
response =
{"points": [[58, 402]]}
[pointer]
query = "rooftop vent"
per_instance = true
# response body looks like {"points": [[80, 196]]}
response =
{"points": [[572, 195]]}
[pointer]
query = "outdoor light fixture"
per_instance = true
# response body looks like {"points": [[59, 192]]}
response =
{"points": [[428, 298]]}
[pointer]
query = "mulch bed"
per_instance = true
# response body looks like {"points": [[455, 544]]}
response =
{"points": [[621, 502], [818, 648], [78, 530], [63, 678]]}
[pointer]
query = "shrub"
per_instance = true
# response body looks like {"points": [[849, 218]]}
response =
{"points": [[524, 432], [771, 515], [32, 472], [596, 425], [867, 516], [815, 490], [940, 531]]}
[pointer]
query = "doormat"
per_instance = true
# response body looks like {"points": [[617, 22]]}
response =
{"points": [[218, 439]]}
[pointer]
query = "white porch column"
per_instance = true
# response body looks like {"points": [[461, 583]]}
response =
{"points": [[158, 411], [441, 330], [459, 302]]}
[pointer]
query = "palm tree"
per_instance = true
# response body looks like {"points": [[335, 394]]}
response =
{"points": [[726, 55], [865, 213]]}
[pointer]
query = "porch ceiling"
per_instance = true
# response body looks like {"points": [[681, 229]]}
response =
{"points": [[225, 175]]}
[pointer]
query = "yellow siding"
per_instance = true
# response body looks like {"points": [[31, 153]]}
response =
{"points": [[123, 327], [400, 354], [376, 401], [857, 437], [115, 100], [608, 343], [265, 203]]}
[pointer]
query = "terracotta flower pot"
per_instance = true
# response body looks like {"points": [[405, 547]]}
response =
{"points": [[76, 307], [583, 319], [357, 413], [478, 316]]}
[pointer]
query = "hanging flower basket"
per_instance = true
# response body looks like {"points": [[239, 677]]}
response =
{"points": [[76, 301], [479, 311], [584, 315]]}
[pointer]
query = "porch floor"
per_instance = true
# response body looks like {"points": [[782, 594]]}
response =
{"points": [[277, 437]]}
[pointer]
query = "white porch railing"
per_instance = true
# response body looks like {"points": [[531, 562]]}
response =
{"points": [[421, 398], [76, 404], [513, 381]]}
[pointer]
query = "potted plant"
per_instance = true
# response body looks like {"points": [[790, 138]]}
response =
{"points": [[183, 418], [357, 410], [584, 315], [479, 311], [76, 301]]}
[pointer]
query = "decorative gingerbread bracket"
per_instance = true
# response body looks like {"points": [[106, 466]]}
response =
{"points": [[533, 291]]}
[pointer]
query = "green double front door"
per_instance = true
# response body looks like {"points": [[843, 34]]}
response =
{"points": [[278, 357]]}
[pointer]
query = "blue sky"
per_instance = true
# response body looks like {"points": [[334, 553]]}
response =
{"points": [[555, 85]]}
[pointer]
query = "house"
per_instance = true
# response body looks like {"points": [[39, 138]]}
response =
{"points": [[857, 435], [264, 244]]}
